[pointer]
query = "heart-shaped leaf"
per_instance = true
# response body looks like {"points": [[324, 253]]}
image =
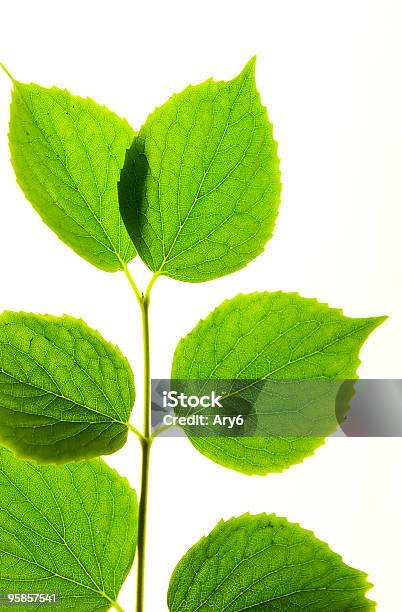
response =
{"points": [[200, 188], [65, 393], [67, 153], [67, 531], [263, 563], [271, 336]]}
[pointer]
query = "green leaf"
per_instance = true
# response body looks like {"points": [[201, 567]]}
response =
{"points": [[263, 563], [200, 188], [264, 336], [67, 153], [284, 409], [68, 530], [65, 393]]}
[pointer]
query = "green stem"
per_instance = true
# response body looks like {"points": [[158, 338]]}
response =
{"points": [[146, 451], [130, 279], [151, 284], [147, 367], [160, 430], [142, 526], [2, 66], [145, 437], [135, 431]]}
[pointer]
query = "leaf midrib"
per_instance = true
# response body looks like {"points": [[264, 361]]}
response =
{"points": [[96, 590], [64, 398], [63, 540], [111, 248], [206, 171], [290, 363]]}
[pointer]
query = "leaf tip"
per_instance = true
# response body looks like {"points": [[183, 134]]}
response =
{"points": [[251, 63], [375, 322], [249, 68]]}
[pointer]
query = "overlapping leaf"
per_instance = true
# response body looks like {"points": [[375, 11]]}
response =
{"points": [[263, 337], [261, 564], [67, 154], [200, 187], [65, 393], [69, 530]]}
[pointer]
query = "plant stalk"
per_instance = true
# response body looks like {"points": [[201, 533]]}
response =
{"points": [[146, 442], [142, 525], [145, 437]]}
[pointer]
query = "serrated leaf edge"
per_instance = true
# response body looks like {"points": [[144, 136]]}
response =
{"points": [[87, 99], [265, 516], [55, 463], [314, 301]]}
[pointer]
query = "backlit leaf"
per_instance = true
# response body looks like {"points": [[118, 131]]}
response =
{"points": [[67, 153], [264, 336], [262, 564], [65, 393], [69, 530], [201, 186]]}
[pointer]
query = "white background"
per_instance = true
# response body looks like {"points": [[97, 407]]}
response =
{"points": [[330, 73]]}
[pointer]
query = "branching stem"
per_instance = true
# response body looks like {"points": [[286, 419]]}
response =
{"points": [[145, 437], [135, 431], [132, 284]]}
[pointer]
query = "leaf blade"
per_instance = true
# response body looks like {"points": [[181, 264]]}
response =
{"points": [[263, 336], [200, 187], [70, 530], [263, 563], [67, 153], [65, 393]]}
